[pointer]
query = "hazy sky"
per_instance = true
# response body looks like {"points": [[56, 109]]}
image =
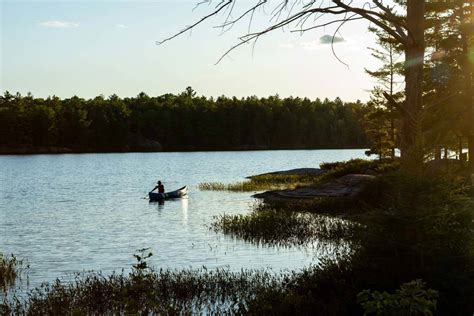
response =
{"points": [[87, 48]]}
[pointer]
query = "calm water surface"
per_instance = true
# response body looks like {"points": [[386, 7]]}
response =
{"points": [[76, 212]]}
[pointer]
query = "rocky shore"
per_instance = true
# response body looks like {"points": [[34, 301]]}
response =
{"points": [[347, 186]]}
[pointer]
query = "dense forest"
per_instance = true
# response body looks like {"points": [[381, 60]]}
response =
{"points": [[176, 122]]}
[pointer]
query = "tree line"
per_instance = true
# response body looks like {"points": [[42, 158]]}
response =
{"points": [[177, 122]]}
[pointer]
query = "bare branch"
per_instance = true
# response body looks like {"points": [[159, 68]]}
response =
{"points": [[375, 12], [328, 23], [218, 9], [332, 41], [378, 19], [199, 4], [251, 10]]}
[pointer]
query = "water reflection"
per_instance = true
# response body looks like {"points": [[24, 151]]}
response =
{"points": [[184, 208]]}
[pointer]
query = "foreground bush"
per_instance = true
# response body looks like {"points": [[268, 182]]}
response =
{"points": [[411, 299]]}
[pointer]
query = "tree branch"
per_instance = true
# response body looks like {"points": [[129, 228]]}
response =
{"points": [[219, 7], [380, 15]]}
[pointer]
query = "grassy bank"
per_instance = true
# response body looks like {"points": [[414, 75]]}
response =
{"points": [[291, 181]]}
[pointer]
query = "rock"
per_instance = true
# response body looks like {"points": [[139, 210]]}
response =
{"points": [[347, 186], [146, 144]]}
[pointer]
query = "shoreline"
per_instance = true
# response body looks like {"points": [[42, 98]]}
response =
{"points": [[10, 151]]}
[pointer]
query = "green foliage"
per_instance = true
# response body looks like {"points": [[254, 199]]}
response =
{"points": [[421, 228], [381, 117], [324, 289], [177, 122], [358, 166], [411, 299]]}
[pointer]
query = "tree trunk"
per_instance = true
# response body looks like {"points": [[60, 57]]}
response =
{"points": [[392, 138], [470, 144], [437, 154], [411, 137], [466, 34]]}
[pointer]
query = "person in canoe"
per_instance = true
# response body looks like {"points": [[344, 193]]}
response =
{"points": [[160, 187]]}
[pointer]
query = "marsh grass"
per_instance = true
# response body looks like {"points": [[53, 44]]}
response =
{"points": [[146, 291], [261, 183], [10, 269], [280, 227]]}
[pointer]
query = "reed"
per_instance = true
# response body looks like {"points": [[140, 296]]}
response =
{"points": [[147, 291], [281, 227], [261, 183], [10, 268]]}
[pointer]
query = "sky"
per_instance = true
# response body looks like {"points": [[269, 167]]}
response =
{"points": [[88, 48]]}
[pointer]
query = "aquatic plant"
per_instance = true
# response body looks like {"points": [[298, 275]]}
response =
{"points": [[282, 227], [261, 183], [10, 268], [148, 291]]}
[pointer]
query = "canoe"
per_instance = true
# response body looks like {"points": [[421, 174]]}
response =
{"points": [[154, 197]]}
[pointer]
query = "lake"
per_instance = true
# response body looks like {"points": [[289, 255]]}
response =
{"points": [[75, 212]]}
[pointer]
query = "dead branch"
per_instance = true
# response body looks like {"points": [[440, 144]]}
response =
{"points": [[378, 14]]}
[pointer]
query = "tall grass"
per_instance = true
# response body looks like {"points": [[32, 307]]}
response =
{"points": [[284, 228], [10, 268], [145, 291], [261, 183]]}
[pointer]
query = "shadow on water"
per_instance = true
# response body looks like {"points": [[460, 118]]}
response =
{"points": [[184, 205]]}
